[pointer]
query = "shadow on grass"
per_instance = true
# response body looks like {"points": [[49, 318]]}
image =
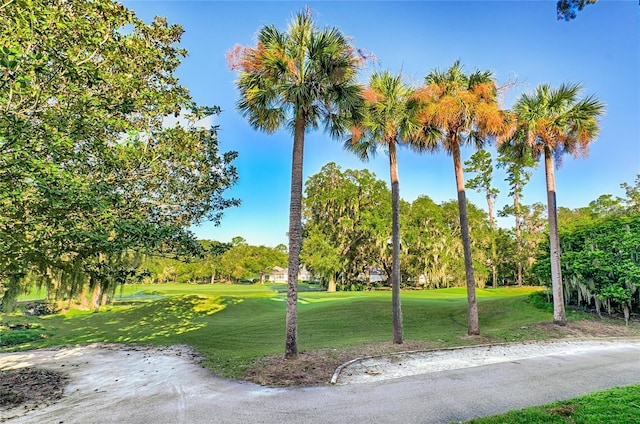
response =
{"points": [[154, 322]]}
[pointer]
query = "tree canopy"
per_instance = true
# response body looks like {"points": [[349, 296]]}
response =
{"points": [[90, 167]]}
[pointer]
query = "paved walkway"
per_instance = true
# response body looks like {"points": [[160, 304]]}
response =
{"points": [[119, 386]]}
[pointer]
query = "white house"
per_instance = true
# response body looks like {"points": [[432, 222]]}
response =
{"points": [[280, 275]]}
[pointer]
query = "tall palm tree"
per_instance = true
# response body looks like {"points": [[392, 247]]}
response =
{"points": [[390, 119], [298, 78], [552, 122], [466, 111]]}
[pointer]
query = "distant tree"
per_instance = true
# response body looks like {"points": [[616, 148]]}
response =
{"points": [[246, 262], [517, 162], [632, 200], [480, 164], [606, 205], [568, 9], [347, 221], [298, 79], [465, 109], [553, 122], [432, 243]]}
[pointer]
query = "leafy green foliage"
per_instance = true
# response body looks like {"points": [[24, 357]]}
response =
{"points": [[348, 225], [601, 261], [246, 262], [90, 170], [568, 9]]}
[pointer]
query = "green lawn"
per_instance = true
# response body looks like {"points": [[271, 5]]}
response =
{"points": [[620, 405], [231, 325]]}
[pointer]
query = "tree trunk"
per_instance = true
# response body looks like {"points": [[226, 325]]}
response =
{"points": [[516, 204], [395, 240], [331, 287], [490, 207], [494, 271], [474, 326], [295, 232], [627, 313], [96, 297], [559, 317]]}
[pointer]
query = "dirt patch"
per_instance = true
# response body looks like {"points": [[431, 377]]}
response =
{"points": [[589, 329], [29, 388], [315, 368]]}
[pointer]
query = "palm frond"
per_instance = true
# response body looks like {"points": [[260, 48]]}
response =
{"points": [[556, 119]]}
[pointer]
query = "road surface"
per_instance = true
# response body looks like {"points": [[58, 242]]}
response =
{"points": [[129, 386]]}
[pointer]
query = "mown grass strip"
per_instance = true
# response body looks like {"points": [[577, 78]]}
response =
{"points": [[620, 405]]}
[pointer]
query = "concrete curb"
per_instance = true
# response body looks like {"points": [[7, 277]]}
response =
{"points": [[338, 371]]}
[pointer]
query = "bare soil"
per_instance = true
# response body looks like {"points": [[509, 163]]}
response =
{"points": [[32, 387], [316, 367]]}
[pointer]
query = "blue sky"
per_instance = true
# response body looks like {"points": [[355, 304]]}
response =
{"points": [[516, 40]]}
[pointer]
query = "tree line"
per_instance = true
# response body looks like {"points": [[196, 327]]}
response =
{"points": [[232, 262]]}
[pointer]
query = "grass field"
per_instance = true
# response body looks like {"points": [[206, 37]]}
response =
{"points": [[231, 325]]}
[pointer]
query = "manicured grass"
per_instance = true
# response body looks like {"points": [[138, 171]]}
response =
{"points": [[619, 405], [230, 325]]}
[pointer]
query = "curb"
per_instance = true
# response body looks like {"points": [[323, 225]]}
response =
{"points": [[338, 371]]}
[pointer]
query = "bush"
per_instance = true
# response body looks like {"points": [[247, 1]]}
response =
{"points": [[541, 300], [21, 334]]}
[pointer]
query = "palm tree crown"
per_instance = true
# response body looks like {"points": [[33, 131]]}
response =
{"points": [[391, 116], [464, 107], [302, 72], [555, 119]]}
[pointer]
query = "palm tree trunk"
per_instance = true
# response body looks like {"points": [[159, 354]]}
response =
{"points": [[474, 326], [559, 317], [395, 239], [295, 232]]}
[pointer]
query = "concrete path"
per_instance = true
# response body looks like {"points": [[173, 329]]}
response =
{"points": [[121, 386]]}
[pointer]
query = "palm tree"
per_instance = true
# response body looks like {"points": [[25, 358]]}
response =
{"points": [[553, 122], [390, 119], [466, 111], [298, 79]]}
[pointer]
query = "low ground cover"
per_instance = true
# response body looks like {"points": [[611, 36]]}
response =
{"points": [[619, 405]]}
